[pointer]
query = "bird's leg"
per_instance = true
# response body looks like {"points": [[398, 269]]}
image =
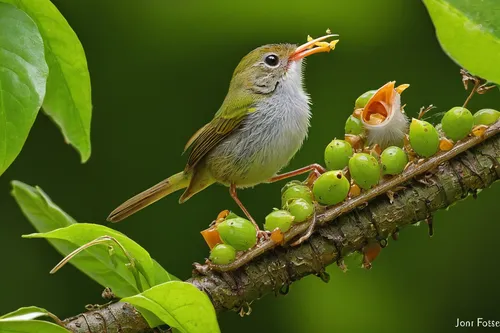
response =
{"points": [[260, 233], [315, 170]]}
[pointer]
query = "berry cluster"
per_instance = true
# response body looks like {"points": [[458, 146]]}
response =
{"points": [[380, 142]]}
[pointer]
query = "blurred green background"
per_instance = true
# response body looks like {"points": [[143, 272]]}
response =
{"points": [[159, 70]]}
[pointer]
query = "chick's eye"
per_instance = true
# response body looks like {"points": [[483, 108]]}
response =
{"points": [[272, 60]]}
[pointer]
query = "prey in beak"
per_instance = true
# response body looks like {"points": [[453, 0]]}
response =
{"points": [[383, 117], [313, 46]]}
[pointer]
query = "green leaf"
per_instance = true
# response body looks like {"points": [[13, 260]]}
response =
{"points": [[23, 77], [26, 313], [46, 216], [43, 214], [180, 305], [68, 99], [469, 32], [31, 326], [108, 265]]}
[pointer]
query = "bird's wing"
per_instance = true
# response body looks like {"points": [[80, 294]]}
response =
{"points": [[207, 137]]}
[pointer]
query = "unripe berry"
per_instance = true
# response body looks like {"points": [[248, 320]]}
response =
{"points": [[281, 219], [364, 170], [331, 188], [238, 232], [486, 117], [337, 154], [393, 160], [457, 123], [222, 254], [424, 138]]}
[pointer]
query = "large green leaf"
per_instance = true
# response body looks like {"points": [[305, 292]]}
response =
{"points": [[23, 77], [469, 32], [68, 98], [46, 216], [180, 305], [30, 326]]}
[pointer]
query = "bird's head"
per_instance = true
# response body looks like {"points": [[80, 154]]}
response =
{"points": [[263, 69], [383, 116]]}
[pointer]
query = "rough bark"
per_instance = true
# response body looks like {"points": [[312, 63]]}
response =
{"points": [[447, 183]]}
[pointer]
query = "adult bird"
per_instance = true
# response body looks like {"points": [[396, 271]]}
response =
{"points": [[261, 124]]}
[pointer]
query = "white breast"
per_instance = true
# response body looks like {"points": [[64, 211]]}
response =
{"points": [[268, 137]]}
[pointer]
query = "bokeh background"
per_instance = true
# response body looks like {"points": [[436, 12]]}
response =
{"points": [[159, 70]]}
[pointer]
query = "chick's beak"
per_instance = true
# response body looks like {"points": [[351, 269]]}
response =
{"points": [[380, 105], [317, 45]]}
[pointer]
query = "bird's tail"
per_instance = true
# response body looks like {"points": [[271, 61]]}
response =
{"points": [[173, 183]]}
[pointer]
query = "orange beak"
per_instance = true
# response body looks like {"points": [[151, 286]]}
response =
{"points": [[314, 46], [377, 108]]}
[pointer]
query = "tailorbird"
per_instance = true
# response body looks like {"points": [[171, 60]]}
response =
{"points": [[261, 124]]}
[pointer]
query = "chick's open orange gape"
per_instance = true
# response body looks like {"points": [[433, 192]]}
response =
{"points": [[259, 127], [383, 116]]}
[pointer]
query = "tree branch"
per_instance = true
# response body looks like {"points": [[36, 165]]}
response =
{"points": [[441, 181]]}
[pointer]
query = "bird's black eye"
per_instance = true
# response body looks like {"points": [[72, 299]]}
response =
{"points": [[272, 60]]}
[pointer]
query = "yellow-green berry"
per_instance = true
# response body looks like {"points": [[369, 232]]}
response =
{"points": [[281, 219], [364, 170], [290, 184], [486, 117], [331, 188], [222, 254], [238, 232], [362, 100], [353, 126], [337, 154], [457, 123], [424, 138], [296, 192], [300, 209], [393, 160]]}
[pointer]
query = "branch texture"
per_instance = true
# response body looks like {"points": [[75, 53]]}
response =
{"points": [[338, 236]]}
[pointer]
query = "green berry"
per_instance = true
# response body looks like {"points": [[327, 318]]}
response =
{"points": [[231, 215], [486, 117], [290, 184], [331, 188], [353, 126], [300, 209], [222, 254], [238, 232], [296, 192], [362, 100], [424, 138], [281, 219], [365, 170], [337, 154], [393, 160], [457, 123]]}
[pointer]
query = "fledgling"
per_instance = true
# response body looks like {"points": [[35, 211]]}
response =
{"points": [[383, 118]]}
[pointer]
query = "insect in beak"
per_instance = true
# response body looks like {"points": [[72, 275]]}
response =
{"points": [[313, 46]]}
